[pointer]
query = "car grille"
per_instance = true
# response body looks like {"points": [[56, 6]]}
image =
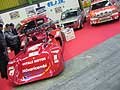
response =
{"points": [[66, 24], [104, 14], [105, 19]]}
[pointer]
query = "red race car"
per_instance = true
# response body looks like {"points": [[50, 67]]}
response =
{"points": [[41, 55], [102, 11], [36, 21]]}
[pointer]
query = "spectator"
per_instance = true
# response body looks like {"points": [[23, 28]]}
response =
{"points": [[7, 27], [3, 54], [11, 39], [14, 31]]}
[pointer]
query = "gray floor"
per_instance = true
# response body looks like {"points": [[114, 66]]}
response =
{"points": [[96, 69]]}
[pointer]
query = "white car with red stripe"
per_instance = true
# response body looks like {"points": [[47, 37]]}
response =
{"points": [[102, 11]]}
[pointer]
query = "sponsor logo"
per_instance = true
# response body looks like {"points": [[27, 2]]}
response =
{"points": [[40, 10], [11, 70], [54, 3], [34, 61], [34, 68]]}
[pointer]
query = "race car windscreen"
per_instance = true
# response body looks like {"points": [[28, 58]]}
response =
{"points": [[101, 5], [69, 14], [30, 26]]}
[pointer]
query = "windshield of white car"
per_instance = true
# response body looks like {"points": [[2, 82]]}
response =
{"points": [[69, 14], [101, 5]]}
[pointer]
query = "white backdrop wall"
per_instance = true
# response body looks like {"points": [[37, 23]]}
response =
{"points": [[53, 10], [68, 4], [22, 15]]}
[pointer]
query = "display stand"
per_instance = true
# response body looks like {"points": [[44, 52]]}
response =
{"points": [[68, 34]]}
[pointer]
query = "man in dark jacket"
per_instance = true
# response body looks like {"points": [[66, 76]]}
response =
{"points": [[3, 54], [12, 40], [14, 32]]}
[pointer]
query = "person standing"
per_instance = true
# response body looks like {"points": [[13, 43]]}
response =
{"points": [[3, 54], [11, 39], [14, 31]]}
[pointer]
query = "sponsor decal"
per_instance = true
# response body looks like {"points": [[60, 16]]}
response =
{"points": [[55, 56], [11, 70], [34, 61], [55, 51], [56, 59], [35, 76], [33, 54], [34, 68], [34, 47], [30, 66]]}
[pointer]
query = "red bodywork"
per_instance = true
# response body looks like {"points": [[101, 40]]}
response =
{"points": [[39, 58], [34, 19], [103, 14]]}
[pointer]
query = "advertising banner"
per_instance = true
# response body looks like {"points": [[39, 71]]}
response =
{"points": [[30, 11], [14, 15], [1, 20], [40, 10], [51, 8]]}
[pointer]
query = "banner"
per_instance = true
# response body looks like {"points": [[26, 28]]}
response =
{"points": [[1, 20], [30, 11], [14, 15], [41, 10]]}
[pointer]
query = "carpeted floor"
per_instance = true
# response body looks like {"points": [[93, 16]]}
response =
{"points": [[89, 37]]}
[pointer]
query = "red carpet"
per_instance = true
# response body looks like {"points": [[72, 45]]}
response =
{"points": [[89, 37], [5, 85]]}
